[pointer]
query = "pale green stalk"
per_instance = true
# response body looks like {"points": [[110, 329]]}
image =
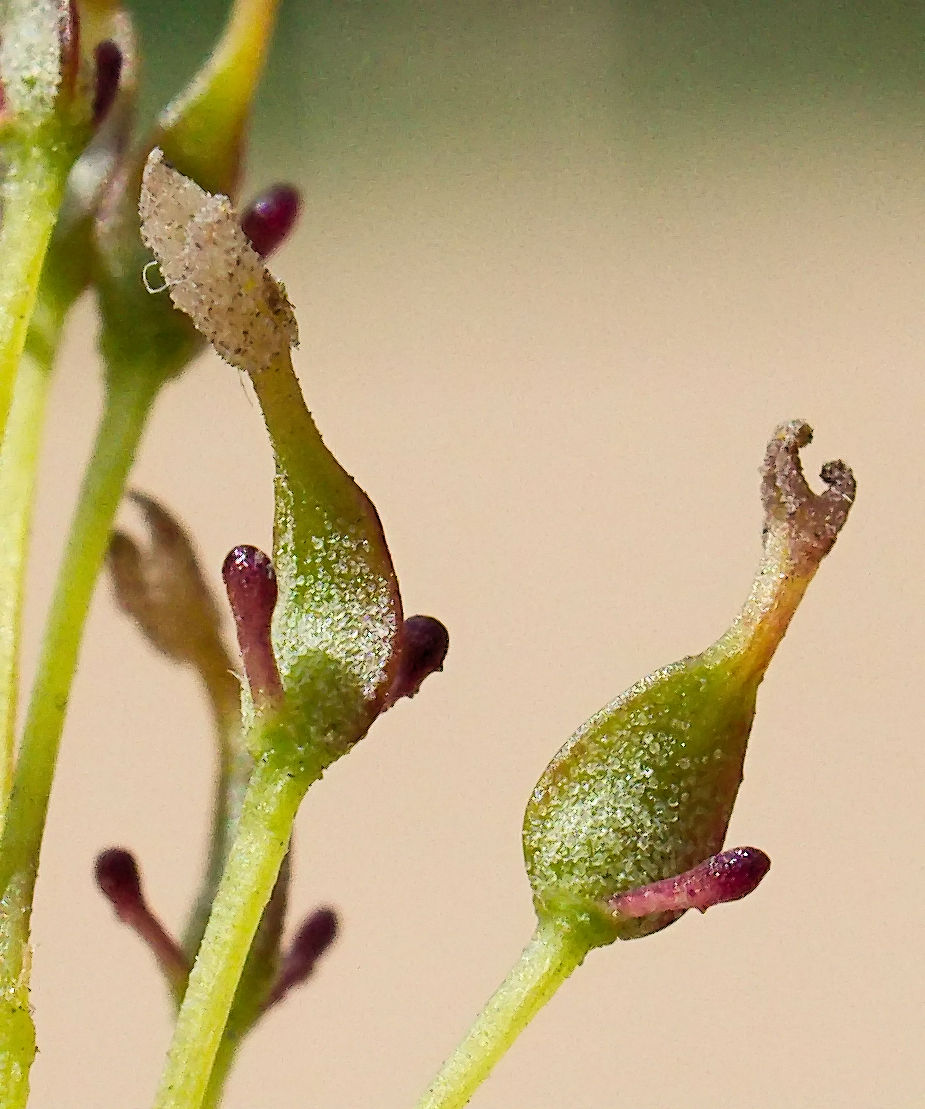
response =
{"points": [[117, 438], [19, 455], [261, 842], [31, 192], [548, 959]]}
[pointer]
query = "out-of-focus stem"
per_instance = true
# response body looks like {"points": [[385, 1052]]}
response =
{"points": [[19, 454], [31, 194], [262, 840], [117, 437], [120, 428]]}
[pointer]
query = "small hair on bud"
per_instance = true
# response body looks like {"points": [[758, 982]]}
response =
{"points": [[108, 59], [728, 876], [268, 220], [250, 581], [311, 941], [119, 881], [422, 647]]}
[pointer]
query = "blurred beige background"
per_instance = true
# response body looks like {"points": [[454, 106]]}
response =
{"points": [[562, 269]]}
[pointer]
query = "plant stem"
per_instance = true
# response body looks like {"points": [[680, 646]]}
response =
{"points": [[270, 805], [547, 960], [117, 437], [18, 465], [120, 428], [31, 194]]}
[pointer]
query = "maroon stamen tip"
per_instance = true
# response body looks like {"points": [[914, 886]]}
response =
{"points": [[728, 876], [270, 217], [118, 878], [315, 936], [108, 58], [422, 647], [119, 881], [312, 940], [250, 581]]}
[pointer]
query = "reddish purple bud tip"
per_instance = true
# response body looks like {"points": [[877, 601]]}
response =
{"points": [[268, 219], [250, 581], [728, 876], [118, 878], [422, 648], [308, 945], [108, 59], [315, 936]]}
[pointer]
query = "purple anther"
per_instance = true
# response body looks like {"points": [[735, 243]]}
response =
{"points": [[251, 584], [108, 58], [118, 878], [268, 220], [728, 876], [310, 942], [422, 647]]}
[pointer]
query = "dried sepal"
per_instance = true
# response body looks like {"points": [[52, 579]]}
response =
{"points": [[161, 586], [212, 272], [809, 522]]}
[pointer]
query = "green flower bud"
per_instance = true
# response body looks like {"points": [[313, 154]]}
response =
{"points": [[644, 790], [337, 619]]}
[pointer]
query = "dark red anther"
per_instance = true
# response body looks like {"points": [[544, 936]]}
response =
{"points": [[250, 581], [270, 217], [108, 58], [118, 878], [310, 942], [422, 647], [728, 876]]}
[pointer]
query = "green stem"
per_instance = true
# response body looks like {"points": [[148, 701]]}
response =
{"points": [[262, 840], [224, 1059], [117, 438], [31, 195], [547, 960], [19, 454]]}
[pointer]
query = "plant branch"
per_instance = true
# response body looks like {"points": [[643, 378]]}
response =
{"points": [[19, 455], [117, 438], [547, 960], [262, 840]]}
